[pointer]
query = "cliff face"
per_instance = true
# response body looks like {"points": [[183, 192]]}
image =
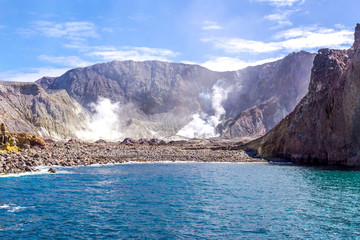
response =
{"points": [[255, 121], [324, 128], [270, 92], [159, 98], [26, 107], [154, 86]]}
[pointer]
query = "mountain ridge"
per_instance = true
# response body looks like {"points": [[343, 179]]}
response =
{"points": [[153, 90], [157, 99]]}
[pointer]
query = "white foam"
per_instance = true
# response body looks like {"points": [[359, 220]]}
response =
{"points": [[45, 169], [20, 174], [12, 208], [40, 170], [16, 209]]}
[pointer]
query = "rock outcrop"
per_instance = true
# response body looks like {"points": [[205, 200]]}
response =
{"points": [[254, 122], [14, 141], [269, 93], [324, 128], [26, 107]]}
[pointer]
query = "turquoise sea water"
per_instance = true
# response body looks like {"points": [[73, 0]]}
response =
{"points": [[182, 201]]}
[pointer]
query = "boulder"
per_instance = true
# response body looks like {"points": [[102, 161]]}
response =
{"points": [[129, 141]]}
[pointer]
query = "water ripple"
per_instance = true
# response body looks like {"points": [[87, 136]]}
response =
{"points": [[182, 201]]}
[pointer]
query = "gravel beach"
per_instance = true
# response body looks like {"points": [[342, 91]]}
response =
{"points": [[74, 153]]}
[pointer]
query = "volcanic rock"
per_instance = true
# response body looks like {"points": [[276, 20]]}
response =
{"points": [[21, 140], [26, 107], [129, 141], [269, 93], [324, 128], [153, 94], [155, 141]]}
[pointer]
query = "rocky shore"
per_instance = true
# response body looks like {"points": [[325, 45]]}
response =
{"points": [[74, 153]]}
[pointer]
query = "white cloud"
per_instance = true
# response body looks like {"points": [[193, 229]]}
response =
{"points": [[236, 45], [32, 74], [281, 18], [70, 61], [110, 53], [295, 39], [133, 53], [232, 64], [339, 26], [282, 3], [70, 30], [80, 46], [314, 38], [210, 25]]}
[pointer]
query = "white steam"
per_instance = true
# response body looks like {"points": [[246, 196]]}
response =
{"points": [[203, 125], [105, 123], [219, 95]]}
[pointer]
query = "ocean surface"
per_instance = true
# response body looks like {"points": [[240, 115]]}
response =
{"points": [[182, 201]]}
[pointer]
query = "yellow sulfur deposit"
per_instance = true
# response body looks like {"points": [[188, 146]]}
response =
{"points": [[10, 147]]}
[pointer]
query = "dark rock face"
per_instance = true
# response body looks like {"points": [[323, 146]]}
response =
{"points": [[269, 93], [154, 86], [253, 122], [160, 97], [324, 128], [26, 107]]}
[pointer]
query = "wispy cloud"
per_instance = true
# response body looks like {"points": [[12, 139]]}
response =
{"points": [[238, 45], [102, 53], [314, 38], [139, 18], [133, 53], [70, 30], [110, 53], [69, 61], [282, 12], [281, 18], [31, 74], [303, 38], [232, 64], [282, 3], [210, 25]]}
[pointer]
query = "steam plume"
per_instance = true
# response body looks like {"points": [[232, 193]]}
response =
{"points": [[203, 125], [105, 122]]}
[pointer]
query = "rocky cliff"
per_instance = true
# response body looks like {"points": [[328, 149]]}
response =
{"points": [[26, 107], [269, 92], [157, 99], [324, 128]]}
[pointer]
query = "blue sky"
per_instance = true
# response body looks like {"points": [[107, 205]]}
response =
{"points": [[46, 38]]}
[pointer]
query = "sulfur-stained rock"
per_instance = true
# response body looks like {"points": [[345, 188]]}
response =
{"points": [[12, 141]]}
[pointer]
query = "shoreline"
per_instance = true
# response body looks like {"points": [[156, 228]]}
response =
{"points": [[74, 153], [42, 170]]}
